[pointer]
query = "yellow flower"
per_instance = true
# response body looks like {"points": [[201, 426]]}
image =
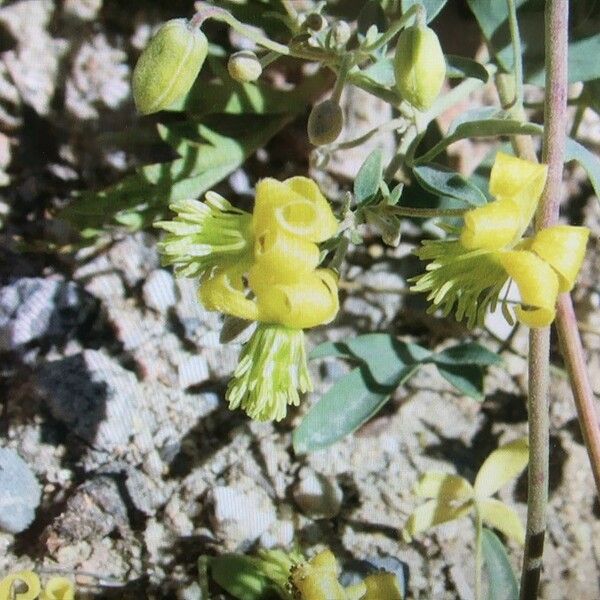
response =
{"points": [[58, 588], [11, 585], [470, 272]]}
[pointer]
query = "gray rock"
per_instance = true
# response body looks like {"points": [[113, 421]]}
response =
{"points": [[94, 396], [318, 497], [34, 308], [159, 291], [147, 494], [135, 257], [241, 513], [192, 371], [20, 492]]}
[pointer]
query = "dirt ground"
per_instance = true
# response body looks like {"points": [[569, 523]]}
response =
{"points": [[112, 376]]}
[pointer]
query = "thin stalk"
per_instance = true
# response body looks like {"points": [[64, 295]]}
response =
{"points": [[423, 213], [478, 555], [394, 28], [556, 46], [517, 56]]}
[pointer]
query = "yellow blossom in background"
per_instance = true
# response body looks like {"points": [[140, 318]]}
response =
{"points": [[25, 585], [261, 267], [468, 274]]}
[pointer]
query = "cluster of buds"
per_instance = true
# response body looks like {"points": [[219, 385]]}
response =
{"points": [[56, 588], [261, 267], [471, 271]]}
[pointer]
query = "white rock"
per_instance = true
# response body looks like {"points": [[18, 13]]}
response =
{"points": [[318, 497], [20, 492], [192, 371], [241, 514], [159, 291]]}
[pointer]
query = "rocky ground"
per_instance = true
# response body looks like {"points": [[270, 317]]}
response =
{"points": [[114, 434]]}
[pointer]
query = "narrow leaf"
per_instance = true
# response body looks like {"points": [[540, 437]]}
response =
{"points": [[468, 379], [369, 176], [588, 160], [502, 465], [433, 512], [502, 581], [350, 402], [470, 353], [504, 518], [443, 486], [444, 182], [459, 66]]}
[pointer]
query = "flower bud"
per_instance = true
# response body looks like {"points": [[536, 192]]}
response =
{"points": [[168, 67], [325, 123], [315, 22], [340, 34], [244, 66], [420, 66]]}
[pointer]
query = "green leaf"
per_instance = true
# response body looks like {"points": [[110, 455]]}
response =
{"points": [[432, 7], [431, 513], [584, 39], [206, 157], [468, 379], [504, 518], [446, 183], [502, 465], [467, 354], [588, 160], [354, 398], [487, 127], [240, 576], [459, 66], [369, 176], [381, 72], [502, 583], [330, 349]]}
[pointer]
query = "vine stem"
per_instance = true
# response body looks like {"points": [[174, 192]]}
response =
{"points": [[553, 150]]}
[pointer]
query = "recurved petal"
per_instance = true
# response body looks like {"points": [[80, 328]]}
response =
{"points": [[563, 247], [305, 303], [287, 257], [223, 290], [521, 181], [498, 515], [280, 204], [29, 578], [538, 285], [492, 226], [382, 585]]}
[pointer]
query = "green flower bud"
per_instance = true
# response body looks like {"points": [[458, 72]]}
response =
{"points": [[340, 34], [315, 22], [420, 66], [325, 123], [168, 67], [244, 66]]}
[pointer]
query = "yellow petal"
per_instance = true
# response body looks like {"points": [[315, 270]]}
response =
{"points": [[537, 283], [504, 518], [491, 227], [296, 205], [58, 588], [13, 582], [521, 181], [502, 465], [433, 512], [443, 486], [382, 585], [318, 580], [287, 256], [309, 302], [223, 290], [327, 561], [563, 247]]}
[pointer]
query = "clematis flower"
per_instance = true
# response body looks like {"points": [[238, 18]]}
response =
{"points": [[13, 581], [468, 273], [452, 497], [261, 267], [205, 235], [58, 588]]}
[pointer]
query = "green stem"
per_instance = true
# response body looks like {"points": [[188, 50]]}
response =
{"points": [[556, 46], [392, 125], [577, 120], [478, 555], [517, 103], [423, 213], [394, 28], [338, 88]]}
